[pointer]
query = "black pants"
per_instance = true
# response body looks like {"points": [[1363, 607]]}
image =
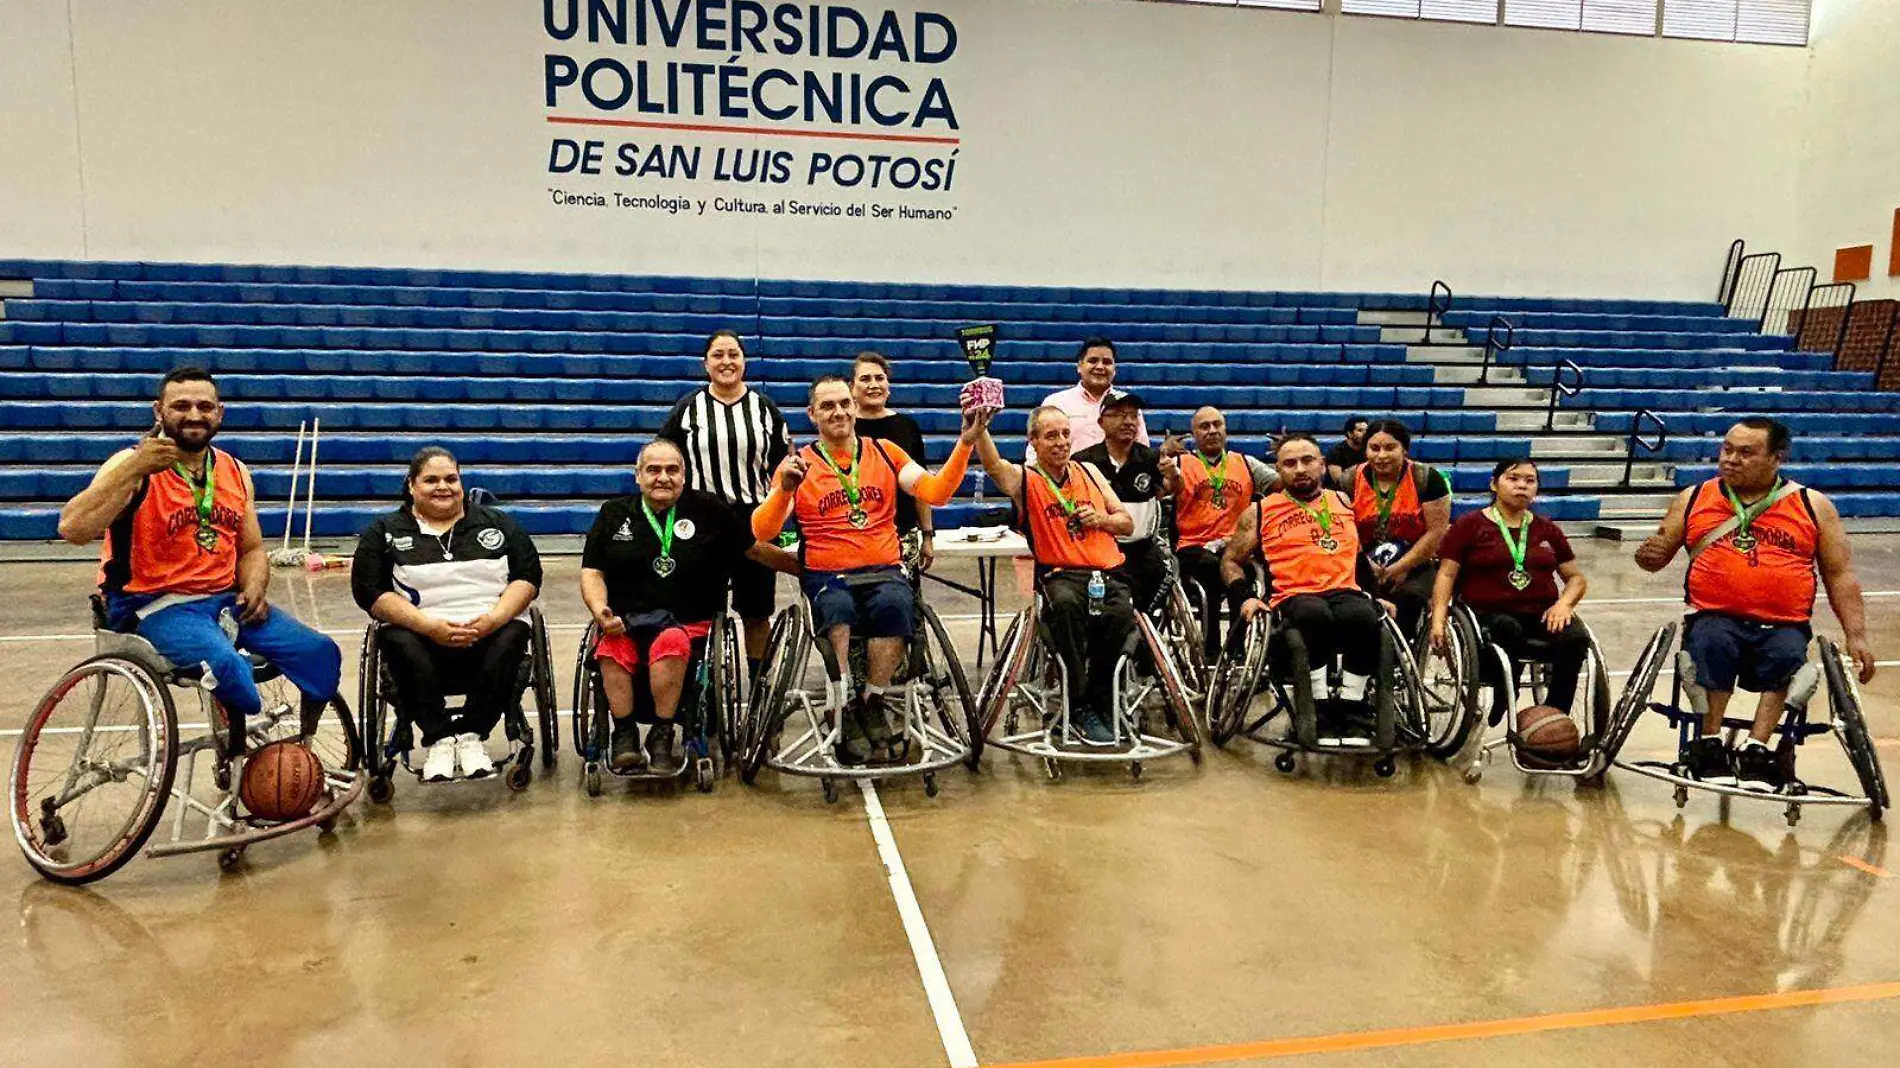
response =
{"points": [[1338, 623], [1146, 569], [1088, 646], [425, 673], [1202, 568], [1511, 630], [1412, 597]]}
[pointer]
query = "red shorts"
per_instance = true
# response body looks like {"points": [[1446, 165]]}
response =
{"points": [[673, 643]]}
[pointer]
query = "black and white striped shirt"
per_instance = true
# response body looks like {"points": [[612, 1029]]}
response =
{"points": [[731, 449]]}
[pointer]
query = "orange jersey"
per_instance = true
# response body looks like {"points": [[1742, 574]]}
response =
{"points": [[1045, 522], [1405, 520], [1196, 516], [1293, 546], [828, 540], [153, 547], [1770, 581]]}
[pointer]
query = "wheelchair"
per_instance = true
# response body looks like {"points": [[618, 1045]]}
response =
{"points": [[391, 737], [1454, 677], [712, 705], [103, 753], [1846, 722], [1271, 659], [1027, 693], [795, 728]]}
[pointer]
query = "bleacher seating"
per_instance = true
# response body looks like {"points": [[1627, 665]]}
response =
{"points": [[545, 385]]}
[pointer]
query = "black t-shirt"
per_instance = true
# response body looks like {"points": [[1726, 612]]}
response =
{"points": [[1345, 457], [902, 431], [708, 543], [1135, 481]]}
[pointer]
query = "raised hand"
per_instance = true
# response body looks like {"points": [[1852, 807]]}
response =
{"points": [[156, 452], [791, 473]]}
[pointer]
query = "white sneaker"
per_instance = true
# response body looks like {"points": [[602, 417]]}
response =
{"points": [[439, 765], [472, 754]]}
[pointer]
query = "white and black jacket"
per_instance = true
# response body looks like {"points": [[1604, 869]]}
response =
{"points": [[454, 576]]}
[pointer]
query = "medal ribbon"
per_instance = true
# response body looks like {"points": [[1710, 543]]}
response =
{"points": [[202, 493], [1518, 546], [1216, 471], [665, 534], [1324, 519], [1384, 498], [850, 481], [1068, 505], [1746, 515]]}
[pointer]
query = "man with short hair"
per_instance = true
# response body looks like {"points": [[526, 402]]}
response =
{"points": [[1755, 541], [1082, 403], [1141, 477], [1350, 452], [184, 564], [1071, 518], [1217, 488], [871, 390], [843, 490]]}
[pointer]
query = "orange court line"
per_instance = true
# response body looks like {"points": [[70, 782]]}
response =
{"points": [[693, 127], [1856, 862], [1465, 1032]]}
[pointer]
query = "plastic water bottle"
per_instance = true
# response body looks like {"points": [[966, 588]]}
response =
{"points": [[228, 624], [1098, 592]]}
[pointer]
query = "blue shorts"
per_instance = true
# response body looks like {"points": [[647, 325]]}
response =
{"points": [[1762, 657], [875, 602]]}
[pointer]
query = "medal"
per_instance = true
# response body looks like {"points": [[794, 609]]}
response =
{"points": [[1518, 544], [1745, 516], [857, 516], [1746, 542], [1076, 529], [203, 494], [1220, 500], [1329, 543], [663, 564], [1325, 541], [1384, 500], [1216, 477]]}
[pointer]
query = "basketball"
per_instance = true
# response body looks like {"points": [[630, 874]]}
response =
{"points": [[282, 781], [1548, 732]]}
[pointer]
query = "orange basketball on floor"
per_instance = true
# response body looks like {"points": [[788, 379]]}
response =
{"points": [[1548, 732], [282, 781]]}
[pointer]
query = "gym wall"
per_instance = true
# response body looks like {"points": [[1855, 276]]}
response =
{"points": [[1850, 175], [1099, 142]]}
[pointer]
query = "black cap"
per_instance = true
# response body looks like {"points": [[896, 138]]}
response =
{"points": [[1118, 397]]}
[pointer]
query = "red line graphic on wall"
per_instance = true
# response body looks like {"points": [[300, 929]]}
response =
{"points": [[835, 135]]}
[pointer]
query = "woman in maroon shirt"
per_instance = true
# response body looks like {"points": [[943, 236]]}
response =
{"points": [[1516, 572]]}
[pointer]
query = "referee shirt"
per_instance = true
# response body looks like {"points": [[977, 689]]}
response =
{"points": [[731, 449]]}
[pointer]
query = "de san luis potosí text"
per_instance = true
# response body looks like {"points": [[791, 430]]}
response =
{"points": [[747, 67]]}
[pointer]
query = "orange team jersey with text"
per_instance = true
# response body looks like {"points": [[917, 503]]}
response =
{"points": [[153, 547], [1406, 522], [1772, 581], [1290, 543], [1045, 522], [1196, 517], [827, 539]]}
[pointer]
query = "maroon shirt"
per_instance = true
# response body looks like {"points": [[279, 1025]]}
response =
{"points": [[1484, 564]]}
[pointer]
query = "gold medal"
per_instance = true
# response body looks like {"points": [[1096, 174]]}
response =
{"points": [[1519, 579], [859, 518], [1220, 500], [1329, 543], [208, 539], [1745, 542], [1076, 530], [664, 566]]}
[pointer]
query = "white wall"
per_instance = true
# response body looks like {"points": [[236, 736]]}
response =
{"points": [[1850, 177], [1103, 143]]}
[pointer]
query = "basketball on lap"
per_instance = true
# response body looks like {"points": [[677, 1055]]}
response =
{"points": [[1547, 732], [282, 781]]}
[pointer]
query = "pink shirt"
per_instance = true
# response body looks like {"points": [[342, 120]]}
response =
{"points": [[1085, 413]]}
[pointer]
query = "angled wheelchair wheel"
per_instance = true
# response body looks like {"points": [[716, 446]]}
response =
{"points": [[1448, 683], [950, 687], [1597, 722], [786, 652], [1395, 690], [93, 770], [1851, 724], [545, 707], [728, 683], [1234, 683], [1012, 657], [375, 705], [1180, 706], [584, 688], [1185, 637], [1637, 690]]}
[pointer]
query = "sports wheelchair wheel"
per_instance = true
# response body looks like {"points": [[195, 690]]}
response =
{"points": [[728, 685], [1851, 724], [1637, 690], [1012, 657], [541, 663], [1233, 684], [1448, 682], [1180, 625], [93, 770], [935, 663], [1179, 705], [787, 654]]}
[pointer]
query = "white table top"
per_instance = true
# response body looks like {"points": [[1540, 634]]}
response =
{"points": [[993, 541]]}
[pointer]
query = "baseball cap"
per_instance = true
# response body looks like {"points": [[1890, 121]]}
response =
{"points": [[1119, 397]]}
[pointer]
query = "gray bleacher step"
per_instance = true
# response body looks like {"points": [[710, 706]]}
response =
{"points": [[1444, 354], [1567, 422], [1627, 531], [1462, 373], [1610, 476], [1393, 317], [15, 287], [1579, 444], [1415, 335], [1504, 396]]}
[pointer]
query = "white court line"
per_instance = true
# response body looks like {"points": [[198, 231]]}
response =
{"points": [[943, 1004]]}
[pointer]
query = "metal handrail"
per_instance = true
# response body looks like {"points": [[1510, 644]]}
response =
{"points": [[1731, 272], [1559, 389], [1636, 438], [1493, 347], [1434, 309]]}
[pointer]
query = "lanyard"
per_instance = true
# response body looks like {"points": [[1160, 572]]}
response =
{"points": [[1324, 519], [850, 481], [1745, 515], [665, 534], [202, 493], [1519, 545], [1384, 498], [1216, 471], [1068, 505]]}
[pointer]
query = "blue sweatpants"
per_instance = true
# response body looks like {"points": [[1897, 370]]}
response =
{"points": [[188, 634]]}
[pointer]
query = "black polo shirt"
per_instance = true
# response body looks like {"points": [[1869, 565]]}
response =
{"points": [[708, 543], [1137, 482]]}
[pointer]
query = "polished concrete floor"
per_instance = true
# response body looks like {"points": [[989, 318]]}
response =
{"points": [[1200, 908]]}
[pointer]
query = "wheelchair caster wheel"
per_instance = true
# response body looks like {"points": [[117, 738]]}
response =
{"points": [[1384, 768], [520, 775], [381, 789], [221, 776], [327, 826], [1474, 773], [930, 784], [1682, 796], [1053, 768], [1794, 815], [703, 774], [229, 859], [591, 780], [831, 791], [1284, 763], [53, 830], [1134, 770]]}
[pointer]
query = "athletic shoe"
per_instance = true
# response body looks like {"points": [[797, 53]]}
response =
{"points": [[626, 755], [439, 765], [662, 757], [1094, 730], [888, 744], [1711, 762], [853, 748], [472, 754], [1357, 724], [1756, 768]]}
